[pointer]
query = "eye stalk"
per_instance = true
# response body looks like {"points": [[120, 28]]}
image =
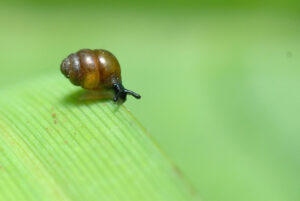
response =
{"points": [[121, 93]]}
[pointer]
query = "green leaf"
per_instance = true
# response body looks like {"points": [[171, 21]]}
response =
{"points": [[55, 147]]}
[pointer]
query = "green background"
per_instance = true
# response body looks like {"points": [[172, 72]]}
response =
{"points": [[220, 80]]}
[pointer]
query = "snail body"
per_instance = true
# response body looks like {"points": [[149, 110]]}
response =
{"points": [[96, 70]]}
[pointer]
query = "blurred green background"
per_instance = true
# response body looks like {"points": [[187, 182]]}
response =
{"points": [[219, 79]]}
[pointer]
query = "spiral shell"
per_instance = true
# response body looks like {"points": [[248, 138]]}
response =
{"points": [[92, 69]]}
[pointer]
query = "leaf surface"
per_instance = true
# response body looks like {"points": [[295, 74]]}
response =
{"points": [[55, 147]]}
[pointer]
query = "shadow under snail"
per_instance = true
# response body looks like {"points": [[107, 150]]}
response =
{"points": [[96, 70]]}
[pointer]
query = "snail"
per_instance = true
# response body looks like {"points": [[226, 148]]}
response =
{"points": [[96, 70]]}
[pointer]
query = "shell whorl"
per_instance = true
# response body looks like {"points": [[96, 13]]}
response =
{"points": [[72, 68], [65, 67]]}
